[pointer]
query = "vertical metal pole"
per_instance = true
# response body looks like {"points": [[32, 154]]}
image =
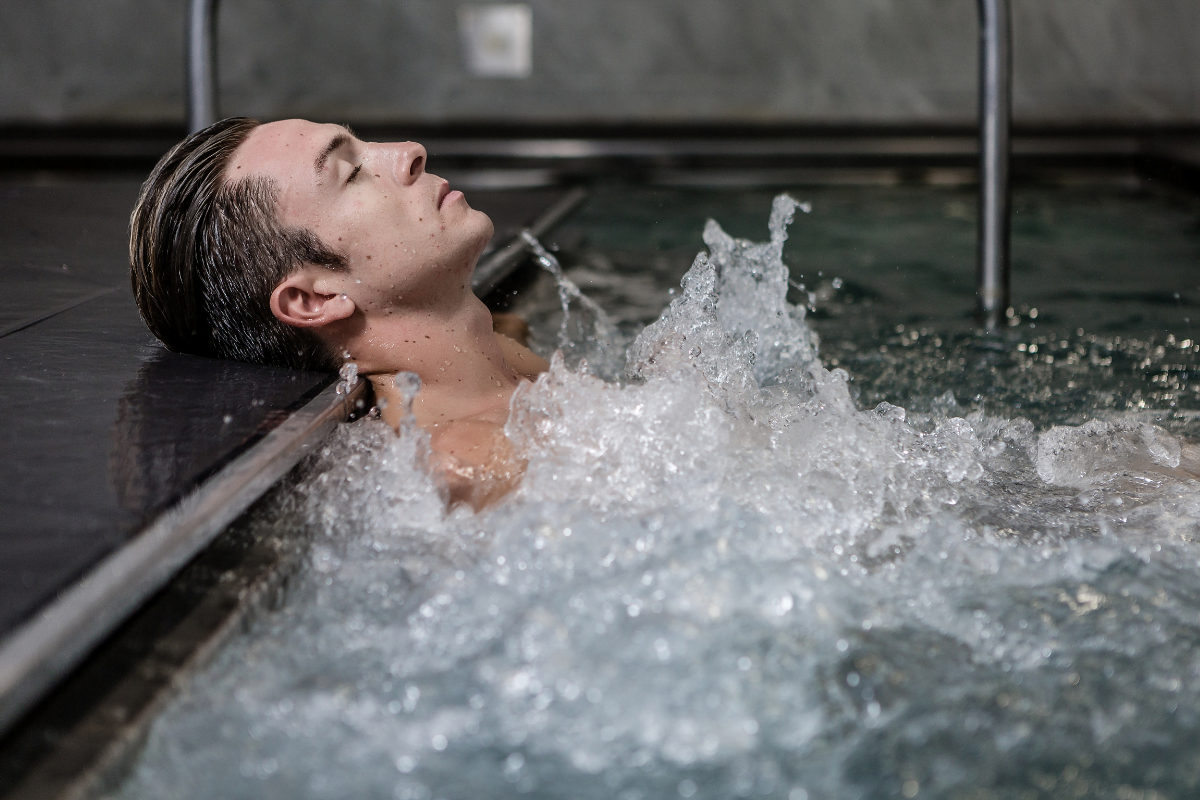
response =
{"points": [[995, 104], [201, 64]]}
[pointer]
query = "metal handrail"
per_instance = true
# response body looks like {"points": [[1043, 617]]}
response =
{"points": [[995, 112], [201, 64]]}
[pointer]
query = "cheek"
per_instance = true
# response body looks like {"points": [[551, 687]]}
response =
{"points": [[357, 235], [395, 235]]}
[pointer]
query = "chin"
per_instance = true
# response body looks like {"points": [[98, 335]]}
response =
{"points": [[482, 223], [487, 229]]}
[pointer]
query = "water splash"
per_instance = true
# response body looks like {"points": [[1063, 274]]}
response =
{"points": [[721, 578], [409, 385], [602, 333], [347, 377]]}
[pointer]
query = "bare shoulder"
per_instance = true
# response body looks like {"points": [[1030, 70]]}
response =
{"points": [[476, 459], [472, 440], [524, 361]]}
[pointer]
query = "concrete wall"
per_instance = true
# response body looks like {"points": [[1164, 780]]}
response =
{"points": [[879, 61]]}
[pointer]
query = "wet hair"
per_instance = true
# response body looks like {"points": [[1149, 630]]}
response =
{"points": [[206, 253]]}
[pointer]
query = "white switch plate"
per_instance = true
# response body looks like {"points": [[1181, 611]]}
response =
{"points": [[497, 40]]}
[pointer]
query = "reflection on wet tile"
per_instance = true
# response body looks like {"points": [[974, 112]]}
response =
{"points": [[106, 428], [60, 244]]}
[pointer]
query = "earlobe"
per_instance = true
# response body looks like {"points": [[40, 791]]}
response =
{"points": [[296, 302]]}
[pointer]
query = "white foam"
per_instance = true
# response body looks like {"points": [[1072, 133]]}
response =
{"points": [[719, 576], [1098, 452]]}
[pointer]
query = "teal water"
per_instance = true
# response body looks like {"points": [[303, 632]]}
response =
{"points": [[768, 545], [1105, 283]]}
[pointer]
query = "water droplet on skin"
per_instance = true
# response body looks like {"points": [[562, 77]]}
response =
{"points": [[347, 378]]}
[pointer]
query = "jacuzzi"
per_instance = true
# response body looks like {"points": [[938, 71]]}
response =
{"points": [[792, 526]]}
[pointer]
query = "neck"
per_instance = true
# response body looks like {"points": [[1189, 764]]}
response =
{"points": [[454, 351]]}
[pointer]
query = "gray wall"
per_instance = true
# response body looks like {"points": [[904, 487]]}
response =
{"points": [[876, 61]]}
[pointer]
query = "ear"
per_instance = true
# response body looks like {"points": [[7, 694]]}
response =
{"points": [[297, 301]]}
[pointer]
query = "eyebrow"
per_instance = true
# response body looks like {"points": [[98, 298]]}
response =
{"points": [[337, 141]]}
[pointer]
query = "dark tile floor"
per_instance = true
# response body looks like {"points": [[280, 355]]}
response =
{"points": [[105, 428], [59, 244]]}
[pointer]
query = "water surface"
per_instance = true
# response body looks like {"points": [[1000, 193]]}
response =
{"points": [[803, 534]]}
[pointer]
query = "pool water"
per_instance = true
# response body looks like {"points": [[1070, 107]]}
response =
{"points": [[805, 533], [1112, 272]]}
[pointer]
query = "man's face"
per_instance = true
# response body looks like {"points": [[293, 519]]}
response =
{"points": [[409, 241]]}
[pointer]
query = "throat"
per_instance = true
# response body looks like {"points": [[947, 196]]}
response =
{"points": [[466, 384], [462, 367]]}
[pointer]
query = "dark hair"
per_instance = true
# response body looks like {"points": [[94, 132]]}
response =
{"points": [[206, 253]]}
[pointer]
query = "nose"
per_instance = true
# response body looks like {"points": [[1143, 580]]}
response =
{"points": [[409, 161]]}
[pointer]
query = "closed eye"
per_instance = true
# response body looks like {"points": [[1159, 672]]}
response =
{"points": [[354, 174]]}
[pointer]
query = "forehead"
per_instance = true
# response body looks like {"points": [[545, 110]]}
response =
{"points": [[284, 150]]}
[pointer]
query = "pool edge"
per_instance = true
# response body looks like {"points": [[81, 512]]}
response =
{"points": [[45, 648]]}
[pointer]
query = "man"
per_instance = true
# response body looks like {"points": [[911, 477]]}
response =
{"points": [[295, 244]]}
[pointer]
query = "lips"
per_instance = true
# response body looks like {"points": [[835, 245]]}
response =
{"points": [[443, 190]]}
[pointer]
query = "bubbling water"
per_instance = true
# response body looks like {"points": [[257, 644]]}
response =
{"points": [[720, 578]]}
